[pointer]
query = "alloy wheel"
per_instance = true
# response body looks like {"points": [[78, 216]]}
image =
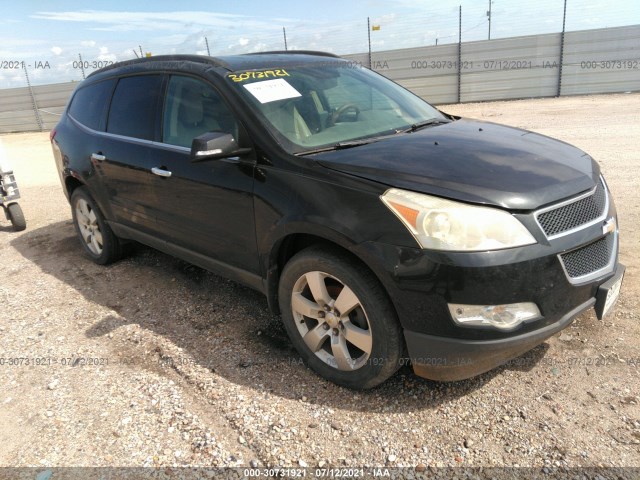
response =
{"points": [[332, 321], [89, 227]]}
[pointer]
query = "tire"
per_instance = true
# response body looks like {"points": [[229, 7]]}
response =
{"points": [[358, 349], [14, 212], [97, 239]]}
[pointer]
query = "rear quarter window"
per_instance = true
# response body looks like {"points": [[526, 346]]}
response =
{"points": [[134, 106], [89, 104]]}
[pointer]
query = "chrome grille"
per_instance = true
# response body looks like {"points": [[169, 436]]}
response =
{"points": [[574, 214], [590, 258]]}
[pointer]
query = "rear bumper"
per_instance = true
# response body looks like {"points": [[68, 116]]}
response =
{"points": [[450, 359]]}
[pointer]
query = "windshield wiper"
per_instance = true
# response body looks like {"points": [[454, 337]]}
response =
{"points": [[341, 146], [419, 125]]}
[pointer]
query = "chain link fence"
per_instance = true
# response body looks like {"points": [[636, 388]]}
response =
{"points": [[474, 52]]}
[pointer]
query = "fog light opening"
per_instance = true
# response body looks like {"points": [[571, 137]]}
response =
{"points": [[502, 317]]}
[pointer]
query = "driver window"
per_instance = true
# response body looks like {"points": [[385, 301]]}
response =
{"points": [[192, 108]]}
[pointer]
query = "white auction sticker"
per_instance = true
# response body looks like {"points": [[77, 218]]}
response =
{"points": [[272, 90]]}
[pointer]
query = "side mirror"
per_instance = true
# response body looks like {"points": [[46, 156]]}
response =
{"points": [[213, 145]]}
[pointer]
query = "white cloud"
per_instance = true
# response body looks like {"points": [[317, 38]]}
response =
{"points": [[152, 21], [259, 47], [56, 50], [106, 56], [20, 48], [385, 19], [243, 42], [88, 43]]}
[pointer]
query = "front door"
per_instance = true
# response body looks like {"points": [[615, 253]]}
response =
{"points": [[205, 207]]}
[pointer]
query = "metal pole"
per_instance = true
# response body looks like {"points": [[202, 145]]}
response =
{"points": [[489, 15], [81, 65], [459, 51], [564, 20], [284, 33], [141, 54], [33, 100], [206, 41], [369, 35]]}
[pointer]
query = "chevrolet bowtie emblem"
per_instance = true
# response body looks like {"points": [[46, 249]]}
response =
{"points": [[609, 226]]}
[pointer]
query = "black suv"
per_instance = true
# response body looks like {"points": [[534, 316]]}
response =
{"points": [[373, 222]]}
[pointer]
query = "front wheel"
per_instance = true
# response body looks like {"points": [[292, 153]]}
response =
{"points": [[97, 238], [339, 318], [14, 212]]}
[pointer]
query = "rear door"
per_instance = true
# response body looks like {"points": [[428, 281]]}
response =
{"points": [[81, 137], [127, 153]]}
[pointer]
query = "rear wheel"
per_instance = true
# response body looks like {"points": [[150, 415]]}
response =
{"points": [[97, 238], [14, 212], [339, 318]]}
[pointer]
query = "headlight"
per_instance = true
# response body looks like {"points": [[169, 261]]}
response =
{"points": [[440, 224]]}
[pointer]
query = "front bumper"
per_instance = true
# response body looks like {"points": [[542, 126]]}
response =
{"points": [[422, 284], [450, 359]]}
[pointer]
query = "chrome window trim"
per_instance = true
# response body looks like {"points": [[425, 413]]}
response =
{"points": [[602, 217], [608, 268], [142, 141], [139, 141]]}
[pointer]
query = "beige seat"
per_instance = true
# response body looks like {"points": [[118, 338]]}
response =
{"points": [[287, 119]]}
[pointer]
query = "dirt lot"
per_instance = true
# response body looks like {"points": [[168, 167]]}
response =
{"points": [[154, 362]]}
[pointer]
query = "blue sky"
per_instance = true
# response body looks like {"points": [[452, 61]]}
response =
{"points": [[42, 33]]}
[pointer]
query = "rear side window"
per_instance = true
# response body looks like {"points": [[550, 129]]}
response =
{"points": [[134, 106], [89, 104]]}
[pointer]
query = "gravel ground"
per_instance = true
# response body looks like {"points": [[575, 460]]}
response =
{"points": [[154, 362]]}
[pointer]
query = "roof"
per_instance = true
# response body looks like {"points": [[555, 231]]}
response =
{"points": [[276, 59]]}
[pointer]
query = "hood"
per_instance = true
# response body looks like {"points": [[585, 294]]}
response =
{"points": [[473, 161]]}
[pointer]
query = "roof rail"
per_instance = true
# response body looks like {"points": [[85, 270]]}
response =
{"points": [[296, 52], [166, 58]]}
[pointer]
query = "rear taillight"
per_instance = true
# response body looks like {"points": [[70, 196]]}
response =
{"points": [[52, 135]]}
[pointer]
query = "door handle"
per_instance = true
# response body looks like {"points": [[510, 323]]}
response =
{"points": [[160, 172], [98, 156]]}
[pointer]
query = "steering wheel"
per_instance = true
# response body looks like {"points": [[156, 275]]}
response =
{"points": [[335, 115]]}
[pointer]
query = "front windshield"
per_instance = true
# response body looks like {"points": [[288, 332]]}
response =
{"points": [[311, 106]]}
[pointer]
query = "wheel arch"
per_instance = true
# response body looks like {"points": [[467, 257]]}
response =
{"points": [[72, 182], [292, 243]]}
